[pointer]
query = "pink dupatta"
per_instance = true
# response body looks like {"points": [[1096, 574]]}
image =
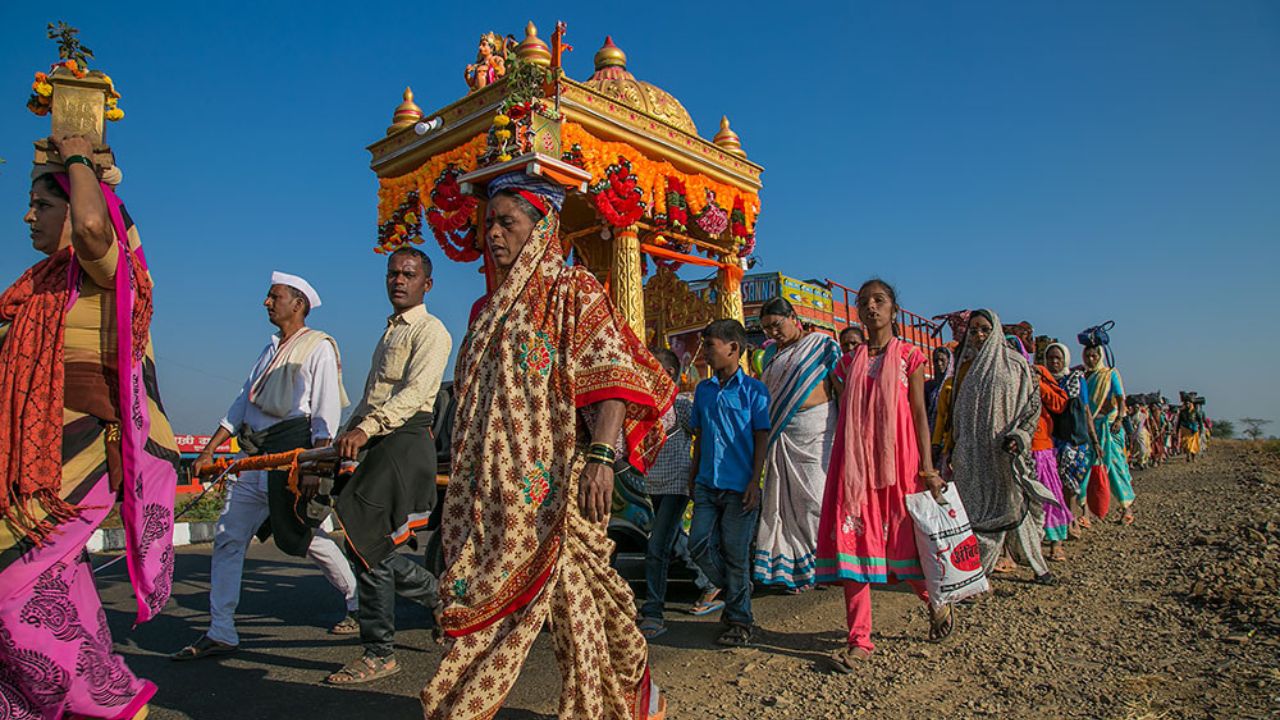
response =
{"points": [[867, 414], [147, 488]]}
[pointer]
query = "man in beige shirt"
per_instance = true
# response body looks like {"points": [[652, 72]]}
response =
{"points": [[393, 490]]}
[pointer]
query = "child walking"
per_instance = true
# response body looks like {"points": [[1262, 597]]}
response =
{"points": [[731, 425]]}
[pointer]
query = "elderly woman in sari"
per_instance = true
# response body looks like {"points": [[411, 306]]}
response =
{"points": [[1073, 432], [83, 431], [1107, 408], [799, 370], [549, 377], [993, 418]]}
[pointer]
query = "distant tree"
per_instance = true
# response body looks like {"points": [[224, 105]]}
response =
{"points": [[1253, 427], [1224, 429]]}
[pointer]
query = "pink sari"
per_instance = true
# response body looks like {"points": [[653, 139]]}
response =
{"points": [[56, 656]]}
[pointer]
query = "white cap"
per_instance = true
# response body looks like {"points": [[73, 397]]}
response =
{"points": [[293, 281]]}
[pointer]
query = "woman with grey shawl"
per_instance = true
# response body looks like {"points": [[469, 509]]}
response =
{"points": [[994, 414]]}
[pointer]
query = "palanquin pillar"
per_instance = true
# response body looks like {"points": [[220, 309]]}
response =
{"points": [[626, 287]]}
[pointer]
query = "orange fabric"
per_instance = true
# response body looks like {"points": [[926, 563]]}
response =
{"points": [[1053, 400], [32, 376]]}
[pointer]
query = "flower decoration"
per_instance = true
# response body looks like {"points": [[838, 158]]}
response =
{"points": [[537, 486], [616, 197], [713, 220], [677, 205], [743, 236], [452, 218], [404, 227], [537, 356], [73, 60]]}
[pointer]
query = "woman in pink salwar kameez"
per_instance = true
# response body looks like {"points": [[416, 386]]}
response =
{"points": [[881, 455]]}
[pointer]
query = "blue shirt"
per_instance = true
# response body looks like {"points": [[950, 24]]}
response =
{"points": [[725, 419]]}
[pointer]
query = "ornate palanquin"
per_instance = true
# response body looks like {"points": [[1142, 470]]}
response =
{"points": [[645, 187]]}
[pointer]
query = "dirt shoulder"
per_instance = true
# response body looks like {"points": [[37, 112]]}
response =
{"points": [[1174, 617]]}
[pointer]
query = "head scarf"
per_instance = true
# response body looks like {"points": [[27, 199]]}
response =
{"points": [[542, 194], [997, 400], [1066, 358]]}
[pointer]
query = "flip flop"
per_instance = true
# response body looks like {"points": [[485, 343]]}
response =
{"points": [[844, 658], [707, 604], [941, 630], [652, 628]]}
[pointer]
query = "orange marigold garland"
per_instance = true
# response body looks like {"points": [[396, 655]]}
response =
{"points": [[452, 219], [403, 228], [595, 156], [616, 197]]}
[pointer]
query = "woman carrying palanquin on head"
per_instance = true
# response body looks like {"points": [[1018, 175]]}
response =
{"points": [[549, 376], [83, 429], [799, 370]]}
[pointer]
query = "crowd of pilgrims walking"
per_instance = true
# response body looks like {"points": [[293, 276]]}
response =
{"points": [[798, 478]]}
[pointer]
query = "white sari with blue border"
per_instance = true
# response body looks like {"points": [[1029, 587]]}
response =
{"points": [[799, 449]]}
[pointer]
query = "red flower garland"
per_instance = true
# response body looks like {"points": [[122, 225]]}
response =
{"points": [[452, 218], [617, 198]]}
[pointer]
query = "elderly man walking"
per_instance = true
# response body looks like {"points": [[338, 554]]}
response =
{"points": [[292, 399], [548, 379]]}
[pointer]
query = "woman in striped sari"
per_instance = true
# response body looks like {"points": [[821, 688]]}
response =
{"points": [[1107, 408], [799, 370], [84, 429]]}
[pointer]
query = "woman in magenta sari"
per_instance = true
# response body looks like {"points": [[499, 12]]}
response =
{"points": [[83, 430]]}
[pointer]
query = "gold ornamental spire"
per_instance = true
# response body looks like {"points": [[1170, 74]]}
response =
{"points": [[407, 113], [532, 49], [727, 139], [610, 60]]}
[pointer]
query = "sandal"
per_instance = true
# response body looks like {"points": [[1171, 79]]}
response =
{"points": [[1005, 566], [652, 628], [1085, 522], [735, 635], [349, 626], [846, 658], [940, 628], [707, 604], [204, 647], [1058, 554], [1128, 517], [364, 669]]}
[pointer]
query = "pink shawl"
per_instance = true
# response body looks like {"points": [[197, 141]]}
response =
{"points": [[868, 416]]}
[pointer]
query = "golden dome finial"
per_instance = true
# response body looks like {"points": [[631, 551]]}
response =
{"points": [[727, 139], [407, 114], [532, 49], [610, 55]]}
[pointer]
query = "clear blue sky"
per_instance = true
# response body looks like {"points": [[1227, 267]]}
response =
{"points": [[1066, 163]]}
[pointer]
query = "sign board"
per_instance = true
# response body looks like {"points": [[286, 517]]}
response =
{"points": [[195, 443]]}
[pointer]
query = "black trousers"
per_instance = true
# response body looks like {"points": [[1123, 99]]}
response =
{"points": [[377, 588]]}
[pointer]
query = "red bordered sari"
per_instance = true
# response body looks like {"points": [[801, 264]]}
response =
{"points": [[546, 345]]}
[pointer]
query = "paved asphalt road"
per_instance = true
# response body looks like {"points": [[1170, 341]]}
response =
{"points": [[285, 610]]}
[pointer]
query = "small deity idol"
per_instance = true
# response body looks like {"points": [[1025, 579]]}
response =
{"points": [[490, 64]]}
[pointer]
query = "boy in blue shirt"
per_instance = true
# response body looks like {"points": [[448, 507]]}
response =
{"points": [[731, 424]]}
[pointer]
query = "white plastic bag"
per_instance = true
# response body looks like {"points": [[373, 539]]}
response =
{"points": [[948, 550]]}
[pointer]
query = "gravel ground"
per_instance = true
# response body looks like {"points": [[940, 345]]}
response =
{"points": [[1177, 616]]}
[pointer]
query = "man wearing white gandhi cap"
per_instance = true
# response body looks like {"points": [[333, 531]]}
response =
{"points": [[293, 398]]}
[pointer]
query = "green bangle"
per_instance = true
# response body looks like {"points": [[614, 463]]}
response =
{"points": [[80, 160], [599, 461]]}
